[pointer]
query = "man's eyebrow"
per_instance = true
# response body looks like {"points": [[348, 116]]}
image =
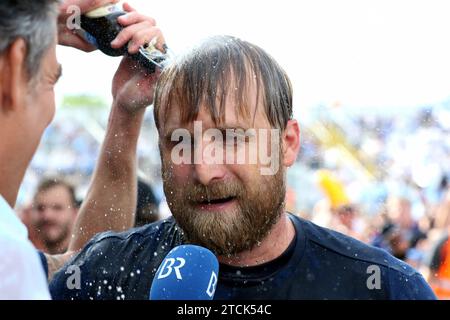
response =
{"points": [[169, 133], [223, 128]]}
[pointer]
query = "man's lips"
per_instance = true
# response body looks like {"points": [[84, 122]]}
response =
{"points": [[215, 204], [46, 226]]}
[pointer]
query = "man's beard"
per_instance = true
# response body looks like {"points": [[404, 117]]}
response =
{"points": [[256, 209], [55, 241]]}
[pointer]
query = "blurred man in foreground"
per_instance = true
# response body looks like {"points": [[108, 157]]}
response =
{"points": [[28, 73]]}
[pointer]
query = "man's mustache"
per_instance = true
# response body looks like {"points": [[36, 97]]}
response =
{"points": [[215, 191], [47, 224]]}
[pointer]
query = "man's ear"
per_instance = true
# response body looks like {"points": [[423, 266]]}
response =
{"points": [[291, 142], [13, 75]]}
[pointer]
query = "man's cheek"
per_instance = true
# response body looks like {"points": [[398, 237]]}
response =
{"points": [[245, 173], [180, 173], [172, 174], [166, 164]]}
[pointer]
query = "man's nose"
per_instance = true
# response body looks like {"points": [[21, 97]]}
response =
{"points": [[207, 173], [47, 213], [208, 167]]}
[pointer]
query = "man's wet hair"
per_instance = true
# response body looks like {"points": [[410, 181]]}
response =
{"points": [[218, 68]]}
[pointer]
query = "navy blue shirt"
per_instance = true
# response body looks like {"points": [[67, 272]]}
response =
{"points": [[318, 264]]}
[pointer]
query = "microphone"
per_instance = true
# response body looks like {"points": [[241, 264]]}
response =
{"points": [[188, 272]]}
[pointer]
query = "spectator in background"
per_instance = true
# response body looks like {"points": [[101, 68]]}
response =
{"points": [[400, 234], [439, 266], [393, 240], [346, 219], [54, 212], [399, 213], [147, 205]]}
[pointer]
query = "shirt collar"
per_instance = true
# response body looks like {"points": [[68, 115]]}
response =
{"points": [[10, 222]]}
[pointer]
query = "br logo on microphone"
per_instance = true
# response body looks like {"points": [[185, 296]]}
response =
{"points": [[168, 266], [212, 285]]}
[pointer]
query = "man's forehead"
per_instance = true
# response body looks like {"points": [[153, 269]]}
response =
{"points": [[54, 190], [231, 120], [254, 116]]}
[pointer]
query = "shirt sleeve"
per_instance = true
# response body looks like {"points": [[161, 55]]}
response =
{"points": [[409, 287]]}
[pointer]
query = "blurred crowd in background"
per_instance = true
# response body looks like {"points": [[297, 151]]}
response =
{"points": [[381, 177]]}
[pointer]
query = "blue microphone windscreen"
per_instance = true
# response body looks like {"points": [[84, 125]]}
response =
{"points": [[188, 272]]}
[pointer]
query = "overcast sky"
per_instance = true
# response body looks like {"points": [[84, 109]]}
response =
{"points": [[381, 53]]}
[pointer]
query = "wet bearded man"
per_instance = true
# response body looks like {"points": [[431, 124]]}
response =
{"points": [[232, 208], [229, 208]]}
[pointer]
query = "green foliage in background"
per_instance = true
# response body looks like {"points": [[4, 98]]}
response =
{"points": [[83, 101]]}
